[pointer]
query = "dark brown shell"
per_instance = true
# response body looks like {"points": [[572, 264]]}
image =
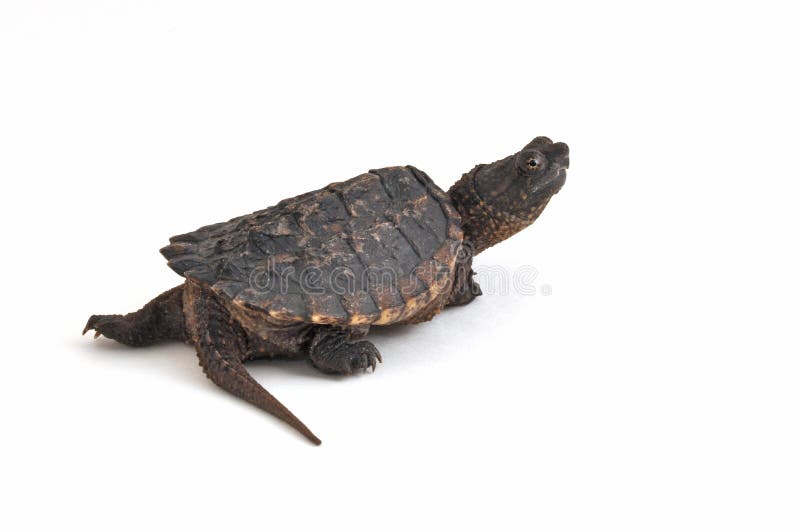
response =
{"points": [[376, 249]]}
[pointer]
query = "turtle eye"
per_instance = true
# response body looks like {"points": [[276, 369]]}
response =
{"points": [[530, 162]]}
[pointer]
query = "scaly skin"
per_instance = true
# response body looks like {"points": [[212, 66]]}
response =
{"points": [[500, 199], [222, 346], [159, 320]]}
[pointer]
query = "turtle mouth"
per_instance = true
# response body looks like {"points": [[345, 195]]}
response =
{"points": [[542, 190]]}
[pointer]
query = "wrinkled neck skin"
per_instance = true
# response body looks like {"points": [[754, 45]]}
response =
{"points": [[491, 208]]}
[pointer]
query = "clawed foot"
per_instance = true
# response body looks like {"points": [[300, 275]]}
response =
{"points": [[346, 358], [110, 326]]}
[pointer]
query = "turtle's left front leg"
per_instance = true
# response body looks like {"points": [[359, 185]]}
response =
{"points": [[338, 351], [465, 288]]}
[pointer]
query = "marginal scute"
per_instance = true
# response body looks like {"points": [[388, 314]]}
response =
{"points": [[376, 249]]}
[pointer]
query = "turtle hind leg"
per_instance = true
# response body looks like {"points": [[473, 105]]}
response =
{"points": [[222, 346], [333, 351], [159, 320]]}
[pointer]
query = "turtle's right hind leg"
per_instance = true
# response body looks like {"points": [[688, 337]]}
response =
{"points": [[159, 320]]}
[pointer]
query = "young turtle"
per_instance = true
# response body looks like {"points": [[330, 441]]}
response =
{"points": [[312, 274]]}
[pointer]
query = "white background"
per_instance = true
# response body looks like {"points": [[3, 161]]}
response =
{"points": [[656, 388]]}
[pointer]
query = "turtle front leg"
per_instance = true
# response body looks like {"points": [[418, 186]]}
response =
{"points": [[334, 350], [465, 288], [464, 292]]}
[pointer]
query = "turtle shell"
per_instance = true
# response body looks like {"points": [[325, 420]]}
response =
{"points": [[377, 249]]}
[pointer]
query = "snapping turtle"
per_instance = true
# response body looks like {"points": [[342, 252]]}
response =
{"points": [[311, 275]]}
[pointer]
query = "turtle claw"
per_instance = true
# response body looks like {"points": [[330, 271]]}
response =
{"points": [[110, 326], [364, 355], [347, 358], [89, 325], [378, 359]]}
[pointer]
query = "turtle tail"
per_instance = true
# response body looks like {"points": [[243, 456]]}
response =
{"points": [[229, 373], [221, 346], [159, 320]]}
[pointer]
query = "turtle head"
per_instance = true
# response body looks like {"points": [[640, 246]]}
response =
{"points": [[500, 199]]}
